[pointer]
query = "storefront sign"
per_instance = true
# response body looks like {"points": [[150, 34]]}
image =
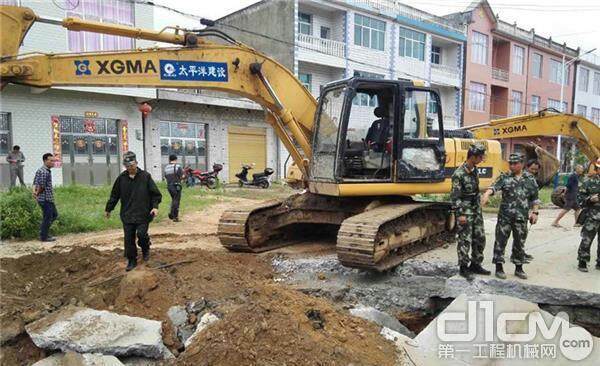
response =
{"points": [[193, 71], [56, 145], [124, 136], [91, 114]]}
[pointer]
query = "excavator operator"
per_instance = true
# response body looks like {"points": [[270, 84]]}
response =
{"points": [[379, 132]]}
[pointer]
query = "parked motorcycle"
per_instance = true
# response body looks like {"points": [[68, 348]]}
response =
{"points": [[196, 176], [258, 180]]}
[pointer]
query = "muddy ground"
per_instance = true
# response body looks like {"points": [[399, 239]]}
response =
{"points": [[264, 322], [265, 313]]}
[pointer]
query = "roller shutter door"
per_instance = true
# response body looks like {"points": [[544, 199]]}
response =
{"points": [[247, 145]]}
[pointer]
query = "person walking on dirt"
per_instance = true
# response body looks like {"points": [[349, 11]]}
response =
{"points": [[571, 196], [44, 195], [588, 198], [173, 175], [139, 198], [465, 202], [519, 205], [15, 160]]}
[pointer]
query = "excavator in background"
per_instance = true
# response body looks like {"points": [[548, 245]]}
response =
{"points": [[361, 152]]}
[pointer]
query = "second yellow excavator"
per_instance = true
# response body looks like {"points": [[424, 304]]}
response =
{"points": [[361, 152]]}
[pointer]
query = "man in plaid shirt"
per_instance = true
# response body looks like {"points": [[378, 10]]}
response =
{"points": [[43, 193]]}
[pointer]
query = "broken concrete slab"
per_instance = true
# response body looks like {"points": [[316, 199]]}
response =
{"points": [[139, 361], [400, 341], [78, 359], [206, 320], [471, 331], [87, 330], [179, 319], [382, 319], [455, 286]]}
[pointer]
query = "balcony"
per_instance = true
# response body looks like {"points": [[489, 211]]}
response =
{"points": [[445, 74], [326, 46], [499, 74]]}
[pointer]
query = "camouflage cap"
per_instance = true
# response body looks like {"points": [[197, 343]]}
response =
{"points": [[477, 149], [129, 158], [515, 158]]}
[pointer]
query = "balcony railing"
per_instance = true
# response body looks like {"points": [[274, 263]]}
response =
{"points": [[497, 116], [394, 8], [451, 71], [499, 74], [327, 46]]}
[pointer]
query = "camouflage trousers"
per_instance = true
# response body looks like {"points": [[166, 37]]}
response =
{"points": [[504, 227], [589, 230], [471, 235]]}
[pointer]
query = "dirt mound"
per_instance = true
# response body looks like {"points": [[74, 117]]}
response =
{"points": [[279, 326], [37, 284]]}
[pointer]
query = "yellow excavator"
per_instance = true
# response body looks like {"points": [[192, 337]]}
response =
{"points": [[361, 152]]}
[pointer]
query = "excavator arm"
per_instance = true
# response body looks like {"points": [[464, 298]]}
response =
{"points": [[544, 123], [196, 64]]}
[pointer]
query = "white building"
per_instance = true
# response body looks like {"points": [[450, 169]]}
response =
{"points": [[587, 88], [96, 125], [375, 38]]}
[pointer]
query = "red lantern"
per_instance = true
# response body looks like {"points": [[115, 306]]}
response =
{"points": [[145, 108]]}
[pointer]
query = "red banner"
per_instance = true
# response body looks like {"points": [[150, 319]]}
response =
{"points": [[124, 137], [56, 143]]}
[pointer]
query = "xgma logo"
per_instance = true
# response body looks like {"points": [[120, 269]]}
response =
{"points": [[82, 67]]}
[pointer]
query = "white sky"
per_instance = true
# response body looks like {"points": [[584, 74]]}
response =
{"points": [[576, 22]]}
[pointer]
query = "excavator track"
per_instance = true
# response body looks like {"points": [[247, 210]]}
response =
{"points": [[386, 236], [372, 233], [233, 231]]}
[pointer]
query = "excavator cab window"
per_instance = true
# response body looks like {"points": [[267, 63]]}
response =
{"points": [[366, 152], [325, 144], [421, 145]]}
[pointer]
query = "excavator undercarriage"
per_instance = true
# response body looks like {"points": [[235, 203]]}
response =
{"points": [[375, 233]]}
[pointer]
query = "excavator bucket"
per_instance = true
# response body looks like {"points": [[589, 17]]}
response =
{"points": [[549, 164]]}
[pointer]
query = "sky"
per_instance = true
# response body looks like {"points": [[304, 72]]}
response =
{"points": [[573, 21]]}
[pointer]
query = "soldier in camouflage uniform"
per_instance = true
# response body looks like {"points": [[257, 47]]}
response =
{"points": [[588, 198], [519, 195], [465, 202]]}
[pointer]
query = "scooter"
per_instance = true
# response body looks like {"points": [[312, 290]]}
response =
{"points": [[258, 180], [208, 178]]}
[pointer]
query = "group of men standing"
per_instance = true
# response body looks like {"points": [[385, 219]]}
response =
{"points": [[518, 208]]}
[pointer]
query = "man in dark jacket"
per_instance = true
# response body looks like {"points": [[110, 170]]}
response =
{"points": [[140, 198], [571, 196]]}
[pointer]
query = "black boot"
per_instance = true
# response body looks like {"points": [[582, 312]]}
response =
{"points": [[519, 272], [500, 271], [146, 254], [582, 266], [131, 264], [464, 271], [478, 269]]}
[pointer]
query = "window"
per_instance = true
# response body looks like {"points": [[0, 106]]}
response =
{"points": [[537, 65], [363, 99], [369, 32], [306, 80], [584, 80], [582, 110], [436, 55], [477, 97], [535, 104], [595, 116], [555, 72], [4, 133], [325, 32], [553, 103], [186, 140], [596, 88], [305, 23], [412, 44], [105, 11], [517, 102], [479, 48], [518, 60]]}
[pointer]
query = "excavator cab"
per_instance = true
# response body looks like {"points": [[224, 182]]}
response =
{"points": [[372, 130]]}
